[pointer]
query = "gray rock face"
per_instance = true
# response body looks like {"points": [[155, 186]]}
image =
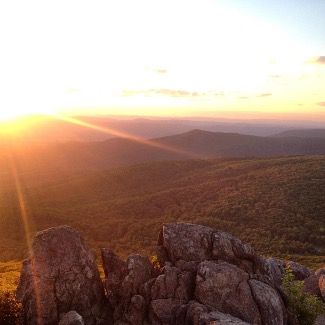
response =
{"points": [[311, 285], [71, 318], [206, 277], [128, 287], [115, 270], [225, 287], [275, 269], [269, 303], [217, 318], [61, 275], [187, 242]]}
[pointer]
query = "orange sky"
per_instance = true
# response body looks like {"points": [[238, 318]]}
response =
{"points": [[161, 58]]}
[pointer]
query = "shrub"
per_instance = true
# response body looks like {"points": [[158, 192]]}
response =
{"points": [[10, 309], [304, 306]]}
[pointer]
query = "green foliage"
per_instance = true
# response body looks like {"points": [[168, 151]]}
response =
{"points": [[156, 265], [304, 306], [10, 310], [277, 205]]}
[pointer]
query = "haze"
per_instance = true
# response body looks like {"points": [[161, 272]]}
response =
{"points": [[256, 59]]}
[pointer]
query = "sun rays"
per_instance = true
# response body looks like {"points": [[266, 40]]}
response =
{"points": [[26, 220]]}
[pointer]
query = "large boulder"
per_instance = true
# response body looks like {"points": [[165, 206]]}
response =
{"points": [[269, 303], [187, 242], [195, 313], [225, 287], [61, 275], [195, 243]]}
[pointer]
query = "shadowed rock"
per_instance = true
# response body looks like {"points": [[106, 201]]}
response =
{"points": [[71, 318], [225, 287], [61, 275]]}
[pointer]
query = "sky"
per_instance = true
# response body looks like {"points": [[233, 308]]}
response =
{"points": [[209, 58]]}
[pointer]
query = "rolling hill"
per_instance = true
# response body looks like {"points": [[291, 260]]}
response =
{"points": [[75, 157]]}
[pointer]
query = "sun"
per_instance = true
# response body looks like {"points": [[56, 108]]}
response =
{"points": [[14, 114]]}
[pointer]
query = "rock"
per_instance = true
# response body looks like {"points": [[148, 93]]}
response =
{"points": [[195, 313], [187, 242], [163, 311], [173, 283], [115, 271], [217, 318], [225, 287], [71, 318], [190, 313], [321, 284], [299, 271], [311, 285], [320, 320], [275, 269], [190, 243], [231, 249], [320, 271], [199, 276], [136, 312], [61, 275], [187, 266], [139, 271], [269, 303]]}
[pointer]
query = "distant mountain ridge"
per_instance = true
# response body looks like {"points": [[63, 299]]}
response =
{"points": [[196, 144], [303, 133], [45, 129]]}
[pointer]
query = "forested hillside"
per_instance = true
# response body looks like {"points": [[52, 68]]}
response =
{"points": [[276, 204]]}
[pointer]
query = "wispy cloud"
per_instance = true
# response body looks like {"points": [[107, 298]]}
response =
{"points": [[160, 70], [264, 95], [164, 92]]}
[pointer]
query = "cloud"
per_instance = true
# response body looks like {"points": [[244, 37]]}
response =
{"points": [[264, 95], [275, 76], [177, 93], [160, 70], [164, 92], [321, 104], [242, 97]]}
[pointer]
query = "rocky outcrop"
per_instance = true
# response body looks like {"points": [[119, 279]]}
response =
{"points": [[200, 276], [61, 275]]}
